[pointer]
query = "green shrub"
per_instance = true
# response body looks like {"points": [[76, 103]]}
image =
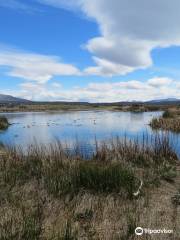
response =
{"points": [[167, 114], [3, 123]]}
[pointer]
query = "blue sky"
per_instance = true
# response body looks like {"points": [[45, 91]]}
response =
{"points": [[87, 50]]}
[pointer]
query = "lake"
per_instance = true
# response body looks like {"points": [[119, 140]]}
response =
{"points": [[70, 127]]}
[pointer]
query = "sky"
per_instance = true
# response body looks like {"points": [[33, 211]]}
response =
{"points": [[90, 50]]}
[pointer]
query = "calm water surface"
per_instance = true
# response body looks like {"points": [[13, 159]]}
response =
{"points": [[70, 127], [82, 127]]}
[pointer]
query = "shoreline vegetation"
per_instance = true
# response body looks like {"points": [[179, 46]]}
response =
{"points": [[49, 193], [60, 106], [4, 124], [170, 121]]}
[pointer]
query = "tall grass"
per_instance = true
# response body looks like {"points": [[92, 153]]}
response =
{"points": [[167, 124], [31, 180], [61, 174], [114, 167]]}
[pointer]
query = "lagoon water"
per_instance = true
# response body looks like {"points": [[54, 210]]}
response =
{"points": [[70, 127], [82, 127]]}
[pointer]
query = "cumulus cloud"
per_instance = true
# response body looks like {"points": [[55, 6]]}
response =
{"points": [[130, 30], [103, 91], [35, 67], [159, 82], [106, 68]]}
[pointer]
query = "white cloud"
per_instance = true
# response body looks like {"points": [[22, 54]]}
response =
{"points": [[56, 85], [159, 82], [107, 68], [130, 30], [103, 92], [35, 67]]}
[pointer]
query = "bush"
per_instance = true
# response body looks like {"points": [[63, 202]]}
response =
{"points": [[3, 123], [167, 114]]}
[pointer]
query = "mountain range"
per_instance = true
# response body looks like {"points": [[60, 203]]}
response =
{"points": [[7, 99]]}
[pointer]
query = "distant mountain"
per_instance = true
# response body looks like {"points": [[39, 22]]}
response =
{"points": [[7, 99], [167, 100], [10, 99]]}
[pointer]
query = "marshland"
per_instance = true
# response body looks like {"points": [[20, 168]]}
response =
{"points": [[50, 193], [170, 121], [88, 175]]}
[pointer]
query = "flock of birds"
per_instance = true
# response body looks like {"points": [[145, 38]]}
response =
{"points": [[50, 123]]}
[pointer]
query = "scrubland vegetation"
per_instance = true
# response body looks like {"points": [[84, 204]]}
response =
{"points": [[50, 193]]}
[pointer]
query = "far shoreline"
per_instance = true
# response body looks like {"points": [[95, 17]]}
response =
{"points": [[60, 106]]}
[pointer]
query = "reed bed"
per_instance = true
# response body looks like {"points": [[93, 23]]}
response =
{"points": [[48, 193], [170, 121], [168, 124]]}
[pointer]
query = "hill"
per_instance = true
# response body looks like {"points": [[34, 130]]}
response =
{"points": [[10, 99]]}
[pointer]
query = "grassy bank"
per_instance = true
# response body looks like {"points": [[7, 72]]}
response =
{"points": [[169, 121], [3, 123], [51, 194]]}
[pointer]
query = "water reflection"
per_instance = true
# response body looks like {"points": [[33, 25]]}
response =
{"points": [[70, 126]]}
